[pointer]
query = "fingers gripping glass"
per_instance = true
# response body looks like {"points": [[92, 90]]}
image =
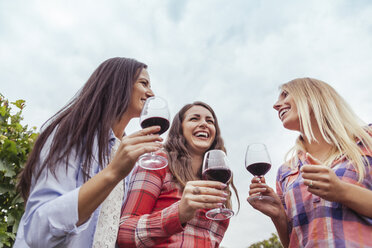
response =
{"points": [[258, 163], [154, 113], [215, 168]]}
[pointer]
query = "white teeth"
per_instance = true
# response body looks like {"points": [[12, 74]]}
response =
{"points": [[283, 112], [201, 134]]}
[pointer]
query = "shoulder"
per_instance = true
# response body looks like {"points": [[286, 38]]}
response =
{"points": [[285, 171], [368, 129], [366, 152]]}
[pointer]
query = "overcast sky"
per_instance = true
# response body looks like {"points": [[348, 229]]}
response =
{"points": [[231, 54]]}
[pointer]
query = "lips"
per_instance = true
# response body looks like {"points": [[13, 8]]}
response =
{"points": [[282, 112], [201, 134]]}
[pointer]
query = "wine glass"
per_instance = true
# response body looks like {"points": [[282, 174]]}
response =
{"points": [[258, 163], [155, 112], [215, 167]]}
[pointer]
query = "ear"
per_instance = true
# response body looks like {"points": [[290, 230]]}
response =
{"points": [[312, 160]]}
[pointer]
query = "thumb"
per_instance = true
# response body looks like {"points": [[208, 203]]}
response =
{"points": [[312, 160]]}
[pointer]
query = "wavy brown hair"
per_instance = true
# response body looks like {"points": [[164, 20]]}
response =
{"points": [[90, 115], [178, 154]]}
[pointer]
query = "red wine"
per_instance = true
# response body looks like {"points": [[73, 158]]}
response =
{"points": [[217, 174], [259, 169], [156, 121]]}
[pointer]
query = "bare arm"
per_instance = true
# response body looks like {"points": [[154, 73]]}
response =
{"points": [[358, 199], [94, 191], [273, 209], [281, 226]]}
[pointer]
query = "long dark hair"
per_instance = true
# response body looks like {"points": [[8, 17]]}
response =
{"points": [[90, 115], [178, 155]]}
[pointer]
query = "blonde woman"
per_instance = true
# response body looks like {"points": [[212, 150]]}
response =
{"points": [[324, 188]]}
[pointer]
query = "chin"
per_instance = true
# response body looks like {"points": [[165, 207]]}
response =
{"points": [[204, 148], [198, 149], [138, 112], [291, 127]]}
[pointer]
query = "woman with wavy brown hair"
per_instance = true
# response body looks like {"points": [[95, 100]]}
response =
{"points": [[166, 208], [70, 173]]}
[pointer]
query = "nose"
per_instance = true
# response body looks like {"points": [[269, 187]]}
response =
{"points": [[203, 123], [277, 105], [150, 93]]}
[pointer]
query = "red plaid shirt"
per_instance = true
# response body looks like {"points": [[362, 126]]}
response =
{"points": [[150, 216]]}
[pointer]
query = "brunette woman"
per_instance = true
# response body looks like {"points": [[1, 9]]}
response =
{"points": [[166, 208], [69, 174]]}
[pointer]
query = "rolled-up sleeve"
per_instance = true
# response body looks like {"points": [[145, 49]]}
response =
{"points": [[51, 211], [52, 208]]}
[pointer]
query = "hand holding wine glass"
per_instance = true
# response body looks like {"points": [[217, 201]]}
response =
{"points": [[258, 163], [154, 113], [215, 168], [200, 194]]}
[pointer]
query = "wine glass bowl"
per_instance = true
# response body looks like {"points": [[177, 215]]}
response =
{"points": [[215, 168], [258, 163], [259, 169], [155, 112]]}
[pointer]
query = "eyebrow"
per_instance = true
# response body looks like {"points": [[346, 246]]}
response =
{"points": [[198, 115], [192, 115], [143, 78]]}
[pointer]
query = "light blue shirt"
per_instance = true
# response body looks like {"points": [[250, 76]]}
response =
{"points": [[51, 212]]}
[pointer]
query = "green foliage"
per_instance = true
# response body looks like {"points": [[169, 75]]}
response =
{"points": [[272, 242], [16, 142]]}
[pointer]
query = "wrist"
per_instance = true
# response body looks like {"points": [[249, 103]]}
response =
{"points": [[118, 171], [281, 217], [184, 215], [111, 176], [344, 192]]}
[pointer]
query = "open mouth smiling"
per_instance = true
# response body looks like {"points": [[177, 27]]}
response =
{"points": [[282, 112], [201, 134]]}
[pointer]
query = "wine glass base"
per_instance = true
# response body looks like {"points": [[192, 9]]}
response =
{"points": [[262, 198], [150, 161], [219, 214]]}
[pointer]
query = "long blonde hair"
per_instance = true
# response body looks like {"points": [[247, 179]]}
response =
{"points": [[337, 122]]}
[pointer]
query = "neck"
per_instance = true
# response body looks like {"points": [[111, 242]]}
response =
{"points": [[196, 163], [318, 148], [120, 126]]}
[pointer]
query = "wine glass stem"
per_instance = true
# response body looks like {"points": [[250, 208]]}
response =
{"points": [[260, 195]]}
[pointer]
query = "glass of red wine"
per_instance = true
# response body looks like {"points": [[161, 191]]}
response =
{"points": [[258, 163], [154, 113], [215, 168]]}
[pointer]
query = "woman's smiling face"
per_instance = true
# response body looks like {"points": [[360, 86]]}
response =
{"points": [[141, 91], [287, 111], [198, 129]]}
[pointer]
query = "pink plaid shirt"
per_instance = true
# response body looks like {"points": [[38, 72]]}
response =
{"points": [[315, 222], [150, 216]]}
